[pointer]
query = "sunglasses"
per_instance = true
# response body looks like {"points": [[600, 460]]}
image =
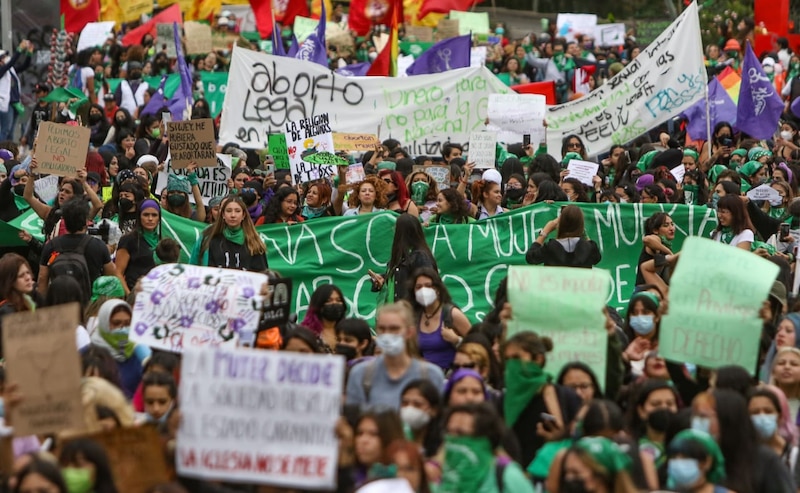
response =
{"points": [[389, 181], [574, 145]]}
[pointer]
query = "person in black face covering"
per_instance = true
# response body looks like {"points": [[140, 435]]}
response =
{"points": [[98, 125], [325, 309], [515, 192], [355, 339], [656, 406]]}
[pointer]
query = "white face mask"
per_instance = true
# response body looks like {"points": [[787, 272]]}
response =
{"points": [[426, 296], [786, 134], [391, 344], [415, 418]]}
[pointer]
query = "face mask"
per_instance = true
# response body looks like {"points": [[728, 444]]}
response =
{"points": [[19, 189], [120, 121], [349, 352], [642, 324], [659, 420], [769, 69], [573, 486], [765, 424], [372, 56], [156, 132], [515, 193], [690, 188], [499, 31], [426, 296], [700, 423], [176, 200], [332, 312], [714, 200], [683, 473], [786, 135], [415, 418], [419, 191], [391, 344], [125, 205], [77, 479], [94, 118]]}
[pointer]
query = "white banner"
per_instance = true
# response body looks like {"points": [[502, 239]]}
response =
{"points": [[569, 26], [95, 34], [265, 92], [263, 417], [213, 181], [664, 80], [609, 34]]}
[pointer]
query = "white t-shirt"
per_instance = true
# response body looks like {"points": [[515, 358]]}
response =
{"points": [[746, 235], [82, 338]]}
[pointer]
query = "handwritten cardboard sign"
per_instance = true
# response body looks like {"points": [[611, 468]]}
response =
{"points": [[198, 38], [567, 307], [41, 357], [274, 411], [447, 28], [303, 138], [136, 457], [715, 296], [165, 36], [61, 149], [423, 34], [482, 147], [46, 188], [583, 171], [278, 150], [182, 306], [471, 22], [192, 140], [441, 174], [213, 182], [355, 174], [354, 142]]}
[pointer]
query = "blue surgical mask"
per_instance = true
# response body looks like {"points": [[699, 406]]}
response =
{"points": [[642, 324], [714, 200], [765, 425], [683, 473], [701, 423], [391, 344]]}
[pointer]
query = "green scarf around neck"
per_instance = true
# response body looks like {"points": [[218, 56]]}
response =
{"points": [[726, 235], [776, 212], [524, 380], [234, 235], [664, 241], [151, 238]]}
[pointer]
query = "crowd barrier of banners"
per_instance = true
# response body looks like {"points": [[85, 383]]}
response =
{"points": [[473, 258]]}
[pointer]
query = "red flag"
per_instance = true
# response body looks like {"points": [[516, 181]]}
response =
{"points": [[262, 10], [444, 6], [386, 62], [287, 10], [366, 13], [78, 13], [167, 16], [547, 89]]}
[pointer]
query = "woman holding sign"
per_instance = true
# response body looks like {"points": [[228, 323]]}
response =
{"points": [[232, 241]]}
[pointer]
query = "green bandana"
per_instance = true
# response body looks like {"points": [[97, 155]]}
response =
{"points": [[445, 219], [644, 161], [750, 168], [524, 379], [569, 157], [234, 235], [606, 453], [419, 191], [151, 238], [726, 235], [715, 171], [692, 153], [313, 212], [776, 212], [664, 241], [690, 194], [21, 203], [109, 286], [118, 339], [467, 463], [644, 294], [717, 472]]}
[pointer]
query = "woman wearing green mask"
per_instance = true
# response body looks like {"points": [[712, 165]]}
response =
{"points": [[136, 250], [150, 137], [423, 189], [85, 467], [473, 461], [694, 190]]}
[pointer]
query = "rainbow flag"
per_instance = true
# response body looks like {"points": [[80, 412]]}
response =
{"points": [[731, 81]]}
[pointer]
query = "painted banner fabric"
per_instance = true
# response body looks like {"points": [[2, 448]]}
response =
{"points": [[578, 296], [715, 296], [667, 79], [266, 91], [263, 417]]}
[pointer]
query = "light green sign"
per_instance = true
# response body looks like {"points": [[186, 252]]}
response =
{"points": [[566, 305], [278, 151], [471, 22], [715, 296], [303, 27]]}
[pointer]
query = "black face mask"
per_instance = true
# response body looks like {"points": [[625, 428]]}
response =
{"points": [[94, 118], [573, 486], [19, 189], [332, 312], [176, 200], [125, 205], [349, 352], [659, 420], [515, 193]]}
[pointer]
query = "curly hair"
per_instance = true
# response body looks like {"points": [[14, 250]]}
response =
{"points": [[457, 202], [380, 192]]}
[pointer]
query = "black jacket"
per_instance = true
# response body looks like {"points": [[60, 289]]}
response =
{"points": [[585, 254]]}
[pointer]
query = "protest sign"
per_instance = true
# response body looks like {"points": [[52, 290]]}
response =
{"points": [[40, 357], [192, 140], [447, 28], [422, 34], [471, 22], [303, 27], [95, 34], [213, 182], [477, 56], [354, 142], [519, 113], [277, 302], [305, 137], [61, 149], [327, 158], [678, 172], [182, 306], [263, 417], [46, 188], [198, 38], [482, 148], [578, 296], [165, 37], [715, 296], [136, 457], [667, 80], [278, 151], [441, 174], [265, 92], [569, 26], [765, 192], [583, 171], [606, 35], [355, 174], [336, 35], [223, 41]]}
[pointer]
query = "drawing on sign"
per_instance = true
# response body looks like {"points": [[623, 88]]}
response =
{"points": [[326, 158]]}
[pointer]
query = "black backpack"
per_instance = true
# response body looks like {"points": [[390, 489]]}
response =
{"points": [[72, 263]]}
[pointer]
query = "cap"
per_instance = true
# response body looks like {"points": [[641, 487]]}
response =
{"points": [[492, 175], [147, 158], [768, 61], [92, 177], [732, 45], [778, 291], [6, 155]]}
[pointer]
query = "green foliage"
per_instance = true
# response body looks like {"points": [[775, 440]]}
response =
{"points": [[714, 13]]}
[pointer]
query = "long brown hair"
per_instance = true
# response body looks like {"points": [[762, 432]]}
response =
{"points": [[570, 223], [251, 238], [380, 192], [10, 264]]}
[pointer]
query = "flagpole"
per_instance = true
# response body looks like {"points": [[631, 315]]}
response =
{"points": [[708, 125]]}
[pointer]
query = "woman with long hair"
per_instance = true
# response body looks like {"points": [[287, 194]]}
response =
{"points": [[769, 411], [318, 201], [16, 287], [136, 250], [283, 208], [734, 228], [232, 242], [85, 467], [325, 309], [451, 208], [374, 431], [722, 145], [657, 258], [410, 252], [397, 196], [573, 143], [571, 248]]}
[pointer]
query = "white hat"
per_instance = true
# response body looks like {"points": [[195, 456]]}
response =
{"points": [[768, 61], [147, 158], [492, 175]]}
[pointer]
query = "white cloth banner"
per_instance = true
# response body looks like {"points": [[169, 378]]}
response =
{"points": [[664, 80], [265, 91], [213, 181], [569, 26], [263, 417], [95, 34]]}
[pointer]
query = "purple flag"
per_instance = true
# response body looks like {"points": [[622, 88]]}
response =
{"points": [[181, 102], [796, 107], [277, 41], [354, 70], [721, 108], [157, 101], [760, 107], [294, 48], [445, 55], [313, 48]]}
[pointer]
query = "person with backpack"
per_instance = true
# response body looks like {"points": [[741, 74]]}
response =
{"points": [[130, 92], [75, 254], [381, 381]]}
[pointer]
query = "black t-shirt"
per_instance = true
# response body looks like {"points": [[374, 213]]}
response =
{"points": [[96, 252], [141, 260], [229, 255]]}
